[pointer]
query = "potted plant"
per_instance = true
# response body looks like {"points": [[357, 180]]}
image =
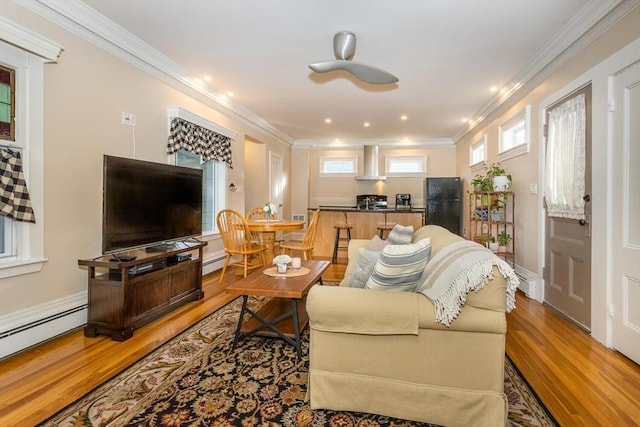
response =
{"points": [[503, 240], [482, 183], [500, 180], [493, 245]]}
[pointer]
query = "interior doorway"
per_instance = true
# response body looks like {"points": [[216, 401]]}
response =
{"points": [[276, 181], [567, 271]]}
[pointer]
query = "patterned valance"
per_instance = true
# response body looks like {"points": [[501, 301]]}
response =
{"points": [[14, 197], [188, 136]]}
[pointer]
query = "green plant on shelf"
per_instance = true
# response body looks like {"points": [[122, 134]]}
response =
{"points": [[504, 238]]}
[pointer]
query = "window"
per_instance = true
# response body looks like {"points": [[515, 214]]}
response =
{"points": [[478, 152], [214, 176], [514, 135], [7, 103], [338, 166], [411, 165], [23, 53]]}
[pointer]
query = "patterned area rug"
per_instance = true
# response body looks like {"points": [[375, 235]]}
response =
{"points": [[197, 380]]}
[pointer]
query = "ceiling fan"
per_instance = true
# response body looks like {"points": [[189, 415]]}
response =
{"points": [[344, 46]]}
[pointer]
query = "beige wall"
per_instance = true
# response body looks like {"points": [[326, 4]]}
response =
{"points": [[85, 94], [595, 64], [441, 161]]}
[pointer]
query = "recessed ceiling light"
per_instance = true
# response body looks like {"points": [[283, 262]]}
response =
{"points": [[207, 78], [464, 120], [327, 120], [403, 117], [493, 89], [230, 94], [367, 124]]}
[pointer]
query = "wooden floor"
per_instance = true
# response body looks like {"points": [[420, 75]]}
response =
{"points": [[580, 381]]}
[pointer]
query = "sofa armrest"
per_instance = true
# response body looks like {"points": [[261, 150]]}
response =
{"points": [[362, 311]]}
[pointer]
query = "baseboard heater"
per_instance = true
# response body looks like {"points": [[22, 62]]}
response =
{"points": [[43, 321], [26, 328]]}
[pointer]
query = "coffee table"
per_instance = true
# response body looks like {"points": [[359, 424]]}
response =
{"points": [[284, 315]]}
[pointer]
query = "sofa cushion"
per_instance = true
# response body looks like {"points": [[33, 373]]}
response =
{"points": [[364, 266], [377, 244], [400, 235], [400, 267]]}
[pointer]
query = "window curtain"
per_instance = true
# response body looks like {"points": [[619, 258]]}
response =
{"points": [[14, 197], [565, 160], [188, 136]]}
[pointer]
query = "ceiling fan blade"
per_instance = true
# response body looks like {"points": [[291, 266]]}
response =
{"points": [[364, 72]]}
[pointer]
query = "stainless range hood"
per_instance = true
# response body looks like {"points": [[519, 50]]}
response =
{"points": [[371, 165]]}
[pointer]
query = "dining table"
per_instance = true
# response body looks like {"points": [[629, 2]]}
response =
{"points": [[267, 229]]}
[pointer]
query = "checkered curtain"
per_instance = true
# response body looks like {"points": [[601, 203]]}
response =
{"points": [[210, 145], [14, 197]]}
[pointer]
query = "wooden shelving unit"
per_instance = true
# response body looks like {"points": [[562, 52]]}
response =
{"points": [[492, 214]]}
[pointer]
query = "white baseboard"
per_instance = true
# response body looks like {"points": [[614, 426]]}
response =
{"points": [[213, 261], [28, 327], [528, 282]]}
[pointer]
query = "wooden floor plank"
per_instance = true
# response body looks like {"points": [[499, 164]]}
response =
{"points": [[581, 382]]}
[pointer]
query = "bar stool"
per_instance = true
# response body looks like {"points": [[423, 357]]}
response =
{"points": [[339, 238], [384, 227]]}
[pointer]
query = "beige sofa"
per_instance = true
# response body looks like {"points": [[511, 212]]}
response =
{"points": [[384, 353]]}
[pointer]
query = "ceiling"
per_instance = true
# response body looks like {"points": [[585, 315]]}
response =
{"points": [[446, 53]]}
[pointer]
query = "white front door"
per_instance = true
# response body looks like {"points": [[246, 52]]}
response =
{"points": [[625, 190], [276, 181]]}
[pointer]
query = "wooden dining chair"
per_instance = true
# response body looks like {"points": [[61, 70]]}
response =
{"points": [[236, 237], [306, 245], [253, 214]]}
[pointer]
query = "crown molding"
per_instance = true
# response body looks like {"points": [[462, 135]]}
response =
{"points": [[25, 39], [382, 143], [85, 22], [593, 20]]}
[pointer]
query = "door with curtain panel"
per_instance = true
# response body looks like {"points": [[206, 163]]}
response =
{"points": [[567, 270]]}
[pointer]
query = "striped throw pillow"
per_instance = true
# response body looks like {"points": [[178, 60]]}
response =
{"points": [[400, 235], [400, 267]]}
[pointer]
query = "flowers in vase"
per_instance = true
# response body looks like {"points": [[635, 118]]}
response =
{"points": [[270, 209], [281, 262]]}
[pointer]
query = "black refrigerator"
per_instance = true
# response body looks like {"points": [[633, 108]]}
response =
{"points": [[443, 201]]}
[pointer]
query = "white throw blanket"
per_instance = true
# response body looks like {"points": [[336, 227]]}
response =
{"points": [[457, 269]]}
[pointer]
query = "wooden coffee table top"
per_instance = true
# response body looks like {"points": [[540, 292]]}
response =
{"points": [[259, 284]]}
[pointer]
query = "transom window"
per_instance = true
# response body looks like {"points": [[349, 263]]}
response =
{"points": [[405, 165], [478, 152], [338, 166], [7, 103], [515, 135]]}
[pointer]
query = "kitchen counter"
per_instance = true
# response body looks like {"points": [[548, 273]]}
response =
{"points": [[364, 222], [356, 209]]}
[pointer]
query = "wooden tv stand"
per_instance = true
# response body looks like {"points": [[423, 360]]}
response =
{"points": [[124, 295]]}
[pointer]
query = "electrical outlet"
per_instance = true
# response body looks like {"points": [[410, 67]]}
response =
{"points": [[128, 119]]}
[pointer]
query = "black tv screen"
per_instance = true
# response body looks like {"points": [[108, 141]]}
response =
{"points": [[147, 204]]}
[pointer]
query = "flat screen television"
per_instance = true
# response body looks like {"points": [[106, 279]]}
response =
{"points": [[147, 204]]}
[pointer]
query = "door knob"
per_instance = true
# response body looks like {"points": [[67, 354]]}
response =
{"points": [[582, 222], [587, 198]]}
